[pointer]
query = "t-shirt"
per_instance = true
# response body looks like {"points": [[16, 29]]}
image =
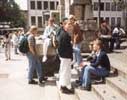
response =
{"points": [[32, 41]]}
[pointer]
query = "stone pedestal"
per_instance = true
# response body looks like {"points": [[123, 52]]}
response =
{"points": [[52, 64]]}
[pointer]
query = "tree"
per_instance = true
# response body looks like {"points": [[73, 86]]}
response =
{"points": [[10, 12], [121, 3]]}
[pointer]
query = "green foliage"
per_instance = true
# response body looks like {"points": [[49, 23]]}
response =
{"points": [[121, 3], [10, 12]]}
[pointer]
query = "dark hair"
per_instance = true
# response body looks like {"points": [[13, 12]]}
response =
{"points": [[6, 35]]}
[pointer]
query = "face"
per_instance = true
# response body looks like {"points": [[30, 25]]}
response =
{"points": [[95, 47], [35, 32], [68, 27], [104, 24]]}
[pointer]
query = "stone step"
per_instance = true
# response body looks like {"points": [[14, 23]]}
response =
{"points": [[66, 96], [85, 95], [118, 62], [105, 92], [51, 91], [118, 84]]}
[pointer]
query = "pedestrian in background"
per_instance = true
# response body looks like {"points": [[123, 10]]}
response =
{"points": [[7, 45], [15, 39]]}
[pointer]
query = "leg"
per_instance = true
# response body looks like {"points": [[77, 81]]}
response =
{"points": [[39, 69], [32, 65], [45, 49], [65, 72], [86, 76]]}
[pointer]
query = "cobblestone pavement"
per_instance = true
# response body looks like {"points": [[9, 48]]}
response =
{"points": [[14, 84]]}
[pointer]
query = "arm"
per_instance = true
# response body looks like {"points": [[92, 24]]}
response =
{"points": [[97, 62]]}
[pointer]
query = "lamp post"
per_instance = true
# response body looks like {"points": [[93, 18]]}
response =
{"points": [[99, 13]]}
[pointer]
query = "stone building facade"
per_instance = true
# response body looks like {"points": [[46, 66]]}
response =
{"points": [[40, 10]]}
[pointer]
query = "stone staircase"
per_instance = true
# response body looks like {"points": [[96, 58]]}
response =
{"points": [[115, 86]]}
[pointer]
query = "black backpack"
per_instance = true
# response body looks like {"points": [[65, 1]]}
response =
{"points": [[23, 44]]}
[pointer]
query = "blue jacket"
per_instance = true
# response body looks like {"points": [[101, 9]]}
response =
{"points": [[101, 60]]}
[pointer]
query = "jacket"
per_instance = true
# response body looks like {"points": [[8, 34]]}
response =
{"points": [[65, 48]]}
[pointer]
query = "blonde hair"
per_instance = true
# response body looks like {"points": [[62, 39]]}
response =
{"points": [[99, 43], [33, 28]]}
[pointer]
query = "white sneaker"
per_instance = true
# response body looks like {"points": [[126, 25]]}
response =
{"points": [[44, 59]]}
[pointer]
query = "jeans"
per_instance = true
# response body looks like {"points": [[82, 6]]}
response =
{"points": [[88, 70], [77, 53], [115, 39], [34, 64], [16, 49]]}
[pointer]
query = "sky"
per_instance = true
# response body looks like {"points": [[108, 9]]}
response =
{"points": [[22, 4]]}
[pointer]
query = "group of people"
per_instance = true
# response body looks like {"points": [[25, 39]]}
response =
{"points": [[69, 38], [11, 39], [111, 38]]}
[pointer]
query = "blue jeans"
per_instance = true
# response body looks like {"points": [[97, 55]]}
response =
{"points": [[88, 70], [77, 53], [34, 64]]}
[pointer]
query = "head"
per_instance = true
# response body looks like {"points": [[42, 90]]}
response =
{"points": [[91, 46], [33, 30], [68, 27], [72, 19], [97, 45], [64, 20], [104, 23], [51, 21]]}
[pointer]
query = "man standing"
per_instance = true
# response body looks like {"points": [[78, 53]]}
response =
{"points": [[34, 62], [65, 52]]}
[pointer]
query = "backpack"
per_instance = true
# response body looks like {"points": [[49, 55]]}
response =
{"points": [[23, 44]]}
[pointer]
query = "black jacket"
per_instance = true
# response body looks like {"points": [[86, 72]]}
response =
{"points": [[65, 48], [102, 60]]}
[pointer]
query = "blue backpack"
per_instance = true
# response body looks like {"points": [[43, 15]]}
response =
{"points": [[23, 44]]}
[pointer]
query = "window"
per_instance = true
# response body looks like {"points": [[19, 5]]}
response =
{"points": [[113, 21], [57, 4], [95, 6], [113, 7], [102, 6], [119, 21], [119, 8], [39, 5], [107, 6], [52, 5], [32, 4], [45, 5], [45, 18], [40, 21], [33, 20], [107, 19]]}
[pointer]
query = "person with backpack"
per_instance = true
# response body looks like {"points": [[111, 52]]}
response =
{"points": [[34, 62]]}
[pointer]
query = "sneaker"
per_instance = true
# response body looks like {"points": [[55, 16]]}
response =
{"points": [[88, 88], [44, 78], [66, 90], [32, 82], [44, 59]]}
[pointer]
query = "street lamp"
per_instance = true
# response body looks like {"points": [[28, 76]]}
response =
{"points": [[99, 13]]}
